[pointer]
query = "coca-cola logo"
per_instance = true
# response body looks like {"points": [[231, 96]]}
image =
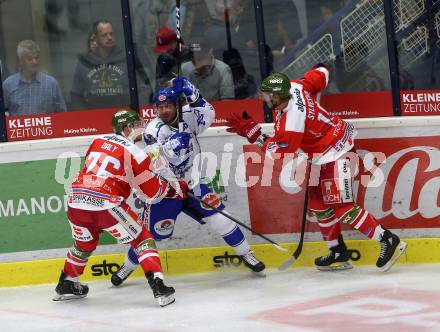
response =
{"points": [[399, 185], [405, 185]]}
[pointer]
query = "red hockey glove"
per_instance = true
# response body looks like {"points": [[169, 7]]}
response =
{"points": [[178, 189], [244, 126]]}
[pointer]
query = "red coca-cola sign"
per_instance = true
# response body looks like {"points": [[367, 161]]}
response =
{"points": [[399, 185]]}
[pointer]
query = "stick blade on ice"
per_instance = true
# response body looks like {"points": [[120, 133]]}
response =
{"points": [[287, 264]]}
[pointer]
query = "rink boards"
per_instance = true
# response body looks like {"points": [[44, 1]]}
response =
{"points": [[36, 235], [200, 260]]}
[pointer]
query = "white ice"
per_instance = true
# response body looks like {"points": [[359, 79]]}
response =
{"points": [[407, 298]]}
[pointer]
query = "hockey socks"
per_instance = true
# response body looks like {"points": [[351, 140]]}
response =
{"points": [[234, 237], [328, 225], [147, 254], [361, 220], [76, 262]]}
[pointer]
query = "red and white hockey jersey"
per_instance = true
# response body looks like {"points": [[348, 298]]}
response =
{"points": [[306, 125], [113, 167]]}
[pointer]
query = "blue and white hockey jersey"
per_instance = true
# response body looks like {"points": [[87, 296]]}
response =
{"points": [[195, 121]]}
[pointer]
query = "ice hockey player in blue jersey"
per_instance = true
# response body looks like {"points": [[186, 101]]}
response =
{"points": [[178, 149]]}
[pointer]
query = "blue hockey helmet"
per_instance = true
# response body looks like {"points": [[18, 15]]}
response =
{"points": [[166, 95]]}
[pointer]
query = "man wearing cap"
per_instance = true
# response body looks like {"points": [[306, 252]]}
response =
{"points": [[212, 76], [167, 48]]}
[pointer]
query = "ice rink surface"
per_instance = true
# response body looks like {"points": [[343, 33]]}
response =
{"points": [[407, 298]]}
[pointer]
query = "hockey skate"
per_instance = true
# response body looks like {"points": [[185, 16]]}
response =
{"points": [[253, 263], [338, 258], [69, 290], [391, 248], [163, 294], [121, 275]]}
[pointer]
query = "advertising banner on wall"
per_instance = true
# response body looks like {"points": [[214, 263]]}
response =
{"points": [[95, 122], [399, 185], [33, 206], [33, 201], [420, 102], [358, 105]]}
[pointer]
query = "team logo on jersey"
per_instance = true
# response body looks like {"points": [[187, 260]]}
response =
{"points": [[212, 200], [330, 192], [164, 227]]}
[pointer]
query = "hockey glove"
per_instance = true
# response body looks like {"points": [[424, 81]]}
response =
{"points": [[178, 190], [176, 143], [183, 85], [244, 126]]}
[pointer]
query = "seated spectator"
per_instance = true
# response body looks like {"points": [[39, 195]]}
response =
{"points": [[227, 26], [281, 24], [166, 69], [244, 83], [197, 21], [30, 91], [167, 48], [212, 76], [100, 78]]}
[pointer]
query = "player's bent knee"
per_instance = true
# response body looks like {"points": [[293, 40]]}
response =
{"points": [[220, 223]]}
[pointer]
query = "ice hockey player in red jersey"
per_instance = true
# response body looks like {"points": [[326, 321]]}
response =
{"points": [[114, 165], [303, 124]]}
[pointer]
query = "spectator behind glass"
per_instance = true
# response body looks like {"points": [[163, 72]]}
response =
{"points": [[54, 10], [147, 18], [167, 48], [197, 19], [30, 91], [218, 32], [100, 78], [244, 83], [363, 77], [212, 76], [91, 42], [281, 23]]}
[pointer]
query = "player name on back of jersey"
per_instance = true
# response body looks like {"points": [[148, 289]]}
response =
{"points": [[117, 139], [109, 147]]}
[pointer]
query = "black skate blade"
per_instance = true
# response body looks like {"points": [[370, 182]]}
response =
{"points": [[336, 267], [67, 297], [401, 248], [165, 300]]}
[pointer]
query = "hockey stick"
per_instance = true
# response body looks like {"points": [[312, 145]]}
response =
{"points": [[179, 60], [238, 222], [298, 249]]}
